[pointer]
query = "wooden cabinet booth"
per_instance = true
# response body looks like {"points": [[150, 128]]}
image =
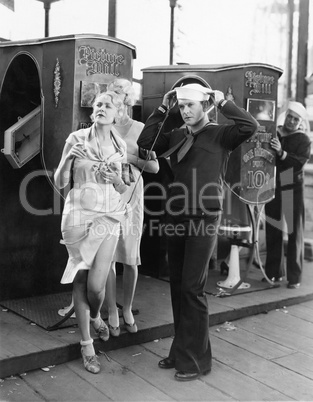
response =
{"points": [[251, 167], [46, 91]]}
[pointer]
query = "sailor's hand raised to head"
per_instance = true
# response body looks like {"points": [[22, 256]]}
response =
{"points": [[216, 97], [169, 99]]}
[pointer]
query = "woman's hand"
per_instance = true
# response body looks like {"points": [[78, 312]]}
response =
{"points": [[77, 151], [276, 145], [110, 176]]}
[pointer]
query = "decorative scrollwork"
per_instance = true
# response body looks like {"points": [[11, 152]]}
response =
{"points": [[260, 84], [57, 82]]}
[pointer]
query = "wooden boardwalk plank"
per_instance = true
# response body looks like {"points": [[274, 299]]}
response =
{"points": [[155, 317], [289, 383], [230, 382], [119, 383], [269, 356], [288, 322], [261, 326], [246, 367], [240, 386], [145, 365], [11, 324], [298, 362], [62, 384], [160, 347], [252, 343], [305, 312], [15, 389], [308, 304], [291, 323]]}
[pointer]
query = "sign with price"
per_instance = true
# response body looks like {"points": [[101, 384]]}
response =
{"points": [[251, 168]]}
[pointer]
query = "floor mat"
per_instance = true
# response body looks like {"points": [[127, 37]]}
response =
{"points": [[43, 310], [255, 283], [215, 276]]}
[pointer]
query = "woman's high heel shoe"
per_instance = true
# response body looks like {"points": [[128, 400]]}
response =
{"points": [[102, 330], [63, 311], [114, 317], [131, 328], [114, 331], [91, 363]]}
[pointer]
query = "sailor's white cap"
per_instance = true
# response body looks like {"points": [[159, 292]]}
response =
{"points": [[301, 111], [193, 92], [298, 108]]}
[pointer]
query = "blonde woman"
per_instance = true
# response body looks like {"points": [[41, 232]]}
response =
{"points": [[93, 216]]}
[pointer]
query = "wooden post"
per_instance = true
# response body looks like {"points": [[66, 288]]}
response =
{"points": [[47, 6], [112, 18], [8, 3], [172, 5], [302, 50], [291, 7], [47, 10]]}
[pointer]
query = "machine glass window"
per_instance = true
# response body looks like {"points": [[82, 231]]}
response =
{"points": [[261, 109]]}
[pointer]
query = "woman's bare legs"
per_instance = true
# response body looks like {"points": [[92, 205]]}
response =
{"points": [[82, 308], [89, 291], [111, 298], [130, 276]]}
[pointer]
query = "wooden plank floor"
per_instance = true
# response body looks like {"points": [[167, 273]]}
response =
{"points": [[25, 347], [265, 357]]}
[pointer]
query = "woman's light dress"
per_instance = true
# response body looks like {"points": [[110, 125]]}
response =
{"points": [[93, 209], [128, 248]]}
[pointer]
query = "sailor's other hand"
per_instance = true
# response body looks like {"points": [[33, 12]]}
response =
{"points": [[217, 96], [276, 145]]}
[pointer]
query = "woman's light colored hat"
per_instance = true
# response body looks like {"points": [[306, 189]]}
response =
{"points": [[194, 92]]}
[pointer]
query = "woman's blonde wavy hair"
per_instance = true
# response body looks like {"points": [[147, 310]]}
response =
{"points": [[121, 86]]}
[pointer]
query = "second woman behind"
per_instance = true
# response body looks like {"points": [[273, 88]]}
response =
{"points": [[128, 248]]}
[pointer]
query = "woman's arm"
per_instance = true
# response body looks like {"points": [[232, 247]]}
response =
{"points": [[63, 174], [151, 165], [120, 187]]}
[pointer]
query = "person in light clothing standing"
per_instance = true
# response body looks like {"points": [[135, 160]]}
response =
{"points": [[128, 247]]}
